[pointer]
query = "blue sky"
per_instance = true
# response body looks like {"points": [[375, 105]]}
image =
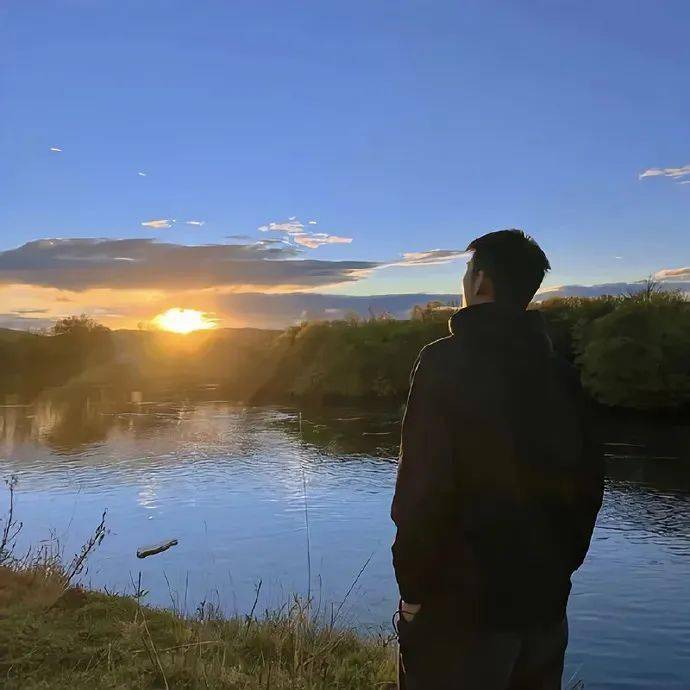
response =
{"points": [[403, 127]]}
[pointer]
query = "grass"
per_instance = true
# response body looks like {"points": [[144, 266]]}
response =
{"points": [[55, 634], [78, 639]]}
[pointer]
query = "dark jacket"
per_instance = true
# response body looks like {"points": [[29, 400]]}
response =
{"points": [[499, 483]]}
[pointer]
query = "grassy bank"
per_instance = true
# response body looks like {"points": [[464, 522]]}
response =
{"points": [[55, 634], [56, 638]]}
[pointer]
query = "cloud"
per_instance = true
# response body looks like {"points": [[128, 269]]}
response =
{"points": [[673, 274], [272, 241], [24, 312], [56, 149], [290, 227], [80, 264], [159, 224], [674, 173], [142, 174], [195, 222], [238, 237], [317, 239], [430, 257], [294, 229]]}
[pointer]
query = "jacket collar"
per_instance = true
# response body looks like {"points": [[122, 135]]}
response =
{"points": [[501, 325]]}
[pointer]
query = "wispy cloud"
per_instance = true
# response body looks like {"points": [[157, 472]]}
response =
{"points": [[296, 231], [430, 257], [290, 227], [312, 240], [56, 149], [24, 312], [674, 173], [195, 222], [271, 241], [159, 224], [673, 274]]}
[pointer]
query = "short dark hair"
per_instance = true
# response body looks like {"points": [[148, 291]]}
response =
{"points": [[515, 263]]}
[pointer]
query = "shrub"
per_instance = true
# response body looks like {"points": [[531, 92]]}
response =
{"points": [[638, 356]]}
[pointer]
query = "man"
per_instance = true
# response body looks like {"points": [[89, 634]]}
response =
{"points": [[498, 488]]}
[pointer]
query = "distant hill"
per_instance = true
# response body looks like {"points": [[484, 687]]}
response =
{"points": [[10, 335], [289, 309]]}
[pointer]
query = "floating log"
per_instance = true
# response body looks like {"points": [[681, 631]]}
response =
{"points": [[145, 551]]}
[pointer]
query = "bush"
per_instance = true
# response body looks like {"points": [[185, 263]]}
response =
{"points": [[335, 360], [638, 356], [565, 315]]}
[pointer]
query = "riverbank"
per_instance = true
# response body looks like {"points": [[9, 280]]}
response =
{"points": [[80, 639]]}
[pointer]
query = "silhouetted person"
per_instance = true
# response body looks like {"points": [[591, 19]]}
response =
{"points": [[498, 488]]}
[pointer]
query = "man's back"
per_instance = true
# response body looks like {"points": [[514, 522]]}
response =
{"points": [[498, 487]]}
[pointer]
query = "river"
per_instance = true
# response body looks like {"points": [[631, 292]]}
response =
{"points": [[271, 495]]}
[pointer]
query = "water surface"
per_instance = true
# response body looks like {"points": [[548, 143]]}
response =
{"points": [[238, 486]]}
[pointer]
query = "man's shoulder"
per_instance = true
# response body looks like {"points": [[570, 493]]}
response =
{"points": [[438, 356], [437, 350]]}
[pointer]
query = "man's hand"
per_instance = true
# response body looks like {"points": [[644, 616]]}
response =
{"points": [[409, 611]]}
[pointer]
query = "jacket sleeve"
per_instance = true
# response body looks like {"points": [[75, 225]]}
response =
{"points": [[585, 483], [424, 489], [589, 487]]}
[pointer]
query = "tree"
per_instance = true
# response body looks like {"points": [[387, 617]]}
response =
{"points": [[78, 325], [433, 311], [79, 344]]}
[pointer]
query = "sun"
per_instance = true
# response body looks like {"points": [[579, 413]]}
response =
{"points": [[179, 320]]}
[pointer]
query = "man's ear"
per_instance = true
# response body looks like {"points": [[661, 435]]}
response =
{"points": [[479, 282], [483, 285]]}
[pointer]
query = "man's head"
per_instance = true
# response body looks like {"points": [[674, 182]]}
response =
{"points": [[507, 266]]}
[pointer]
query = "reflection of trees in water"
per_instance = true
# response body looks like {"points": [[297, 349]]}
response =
{"points": [[144, 435], [69, 426], [347, 430], [644, 493], [66, 424]]}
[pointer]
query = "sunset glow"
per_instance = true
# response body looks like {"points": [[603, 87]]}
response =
{"points": [[179, 320]]}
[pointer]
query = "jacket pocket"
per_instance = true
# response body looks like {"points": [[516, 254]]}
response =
{"points": [[409, 631]]}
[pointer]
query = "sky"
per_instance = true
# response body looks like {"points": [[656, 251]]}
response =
{"points": [[171, 153]]}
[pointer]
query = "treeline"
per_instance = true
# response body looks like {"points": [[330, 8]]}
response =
{"points": [[78, 355], [633, 351], [32, 362]]}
